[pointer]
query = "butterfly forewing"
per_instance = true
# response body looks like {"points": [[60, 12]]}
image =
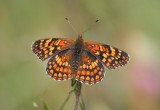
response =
{"points": [[47, 47], [110, 56], [90, 70], [59, 66]]}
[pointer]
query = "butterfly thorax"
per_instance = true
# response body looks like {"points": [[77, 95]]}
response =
{"points": [[77, 50]]}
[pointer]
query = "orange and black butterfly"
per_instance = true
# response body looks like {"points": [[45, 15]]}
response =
{"points": [[79, 59]]}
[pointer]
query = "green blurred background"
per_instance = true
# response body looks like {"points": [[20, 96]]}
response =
{"points": [[131, 25]]}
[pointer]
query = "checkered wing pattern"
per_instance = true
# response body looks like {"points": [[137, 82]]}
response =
{"points": [[47, 47], [110, 56], [59, 66], [90, 70]]}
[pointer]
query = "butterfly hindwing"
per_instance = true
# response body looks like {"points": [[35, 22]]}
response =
{"points": [[59, 66], [47, 47], [90, 70], [110, 56]]}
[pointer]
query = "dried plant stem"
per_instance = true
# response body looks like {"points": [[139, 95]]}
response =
{"points": [[82, 104], [66, 100], [77, 90], [77, 93]]}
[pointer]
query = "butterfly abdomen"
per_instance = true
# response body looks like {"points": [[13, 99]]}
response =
{"points": [[75, 63], [76, 55]]}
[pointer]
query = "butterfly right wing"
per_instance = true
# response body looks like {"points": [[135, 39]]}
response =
{"points": [[45, 48]]}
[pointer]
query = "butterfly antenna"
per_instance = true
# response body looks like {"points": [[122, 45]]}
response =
{"points": [[71, 25], [97, 20]]}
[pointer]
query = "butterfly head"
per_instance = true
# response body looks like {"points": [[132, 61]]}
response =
{"points": [[79, 41], [80, 36]]}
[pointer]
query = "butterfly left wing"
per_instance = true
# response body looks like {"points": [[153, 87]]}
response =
{"points": [[110, 56], [45, 48], [90, 70], [59, 66]]}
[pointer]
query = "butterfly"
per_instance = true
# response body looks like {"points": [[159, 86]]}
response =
{"points": [[83, 60]]}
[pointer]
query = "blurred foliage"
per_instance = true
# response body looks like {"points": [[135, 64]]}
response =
{"points": [[131, 25], [46, 107]]}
